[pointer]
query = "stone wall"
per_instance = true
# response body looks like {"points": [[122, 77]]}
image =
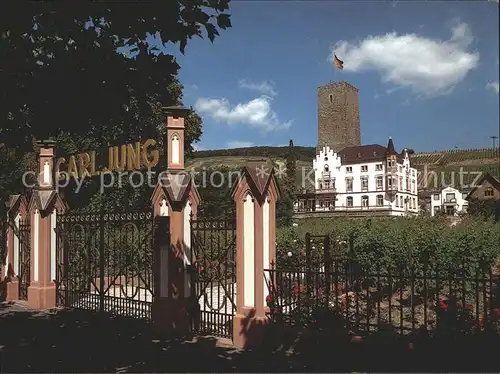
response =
{"points": [[338, 116]]}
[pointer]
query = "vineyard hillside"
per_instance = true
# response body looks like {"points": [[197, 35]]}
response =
{"points": [[436, 169]]}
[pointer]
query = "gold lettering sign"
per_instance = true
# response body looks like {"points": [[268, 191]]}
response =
{"points": [[156, 155], [127, 157]]}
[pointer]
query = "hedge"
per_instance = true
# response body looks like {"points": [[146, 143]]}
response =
{"points": [[403, 244]]}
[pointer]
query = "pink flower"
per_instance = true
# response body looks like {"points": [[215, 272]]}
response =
{"points": [[443, 305]]}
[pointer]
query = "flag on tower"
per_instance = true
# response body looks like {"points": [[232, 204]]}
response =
{"points": [[338, 63]]}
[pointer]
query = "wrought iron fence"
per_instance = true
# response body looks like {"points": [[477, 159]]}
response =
{"points": [[104, 262], [23, 237], [213, 275], [406, 301]]}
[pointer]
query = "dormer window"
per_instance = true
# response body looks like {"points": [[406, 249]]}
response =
{"points": [[326, 158], [326, 168], [374, 153], [359, 155]]}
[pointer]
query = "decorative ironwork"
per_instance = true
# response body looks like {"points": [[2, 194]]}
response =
{"points": [[213, 264], [105, 262], [407, 299], [434, 300], [23, 234]]}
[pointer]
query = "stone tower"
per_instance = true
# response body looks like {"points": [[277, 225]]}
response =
{"points": [[338, 116]]}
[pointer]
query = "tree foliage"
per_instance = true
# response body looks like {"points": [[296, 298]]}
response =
{"points": [[93, 74], [288, 187], [485, 208], [61, 74], [214, 186]]}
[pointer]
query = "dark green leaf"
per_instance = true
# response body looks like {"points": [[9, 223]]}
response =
{"points": [[211, 31], [223, 21]]}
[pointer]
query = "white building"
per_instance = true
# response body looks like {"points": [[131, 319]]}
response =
{"points": [[450, 201], [362, 180]]}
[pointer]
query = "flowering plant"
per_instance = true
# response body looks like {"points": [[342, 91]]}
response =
{"points": [[453, 316], [491, 321], [272, 302]]}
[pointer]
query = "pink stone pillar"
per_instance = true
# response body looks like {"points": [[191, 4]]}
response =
{"points": [[175, 200], [43, 207], [255, 196]]}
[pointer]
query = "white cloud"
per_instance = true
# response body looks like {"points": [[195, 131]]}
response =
{"points": [[256, 113], [197, 147], [264, 87], [427, 66], [492, 86], [238, 144]]}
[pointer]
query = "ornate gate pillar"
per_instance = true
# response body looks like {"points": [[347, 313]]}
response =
{"points": [[255, 196], [16, 212], [175, 196], [43, 207]]}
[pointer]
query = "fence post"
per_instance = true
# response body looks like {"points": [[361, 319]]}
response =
{"points": [[177, 198], [43, 207], [102, 282], [327, 263], [161, 248], [255, 196]]}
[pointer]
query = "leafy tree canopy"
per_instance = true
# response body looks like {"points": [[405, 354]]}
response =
{"points": [[59, 73], [93, 73]]}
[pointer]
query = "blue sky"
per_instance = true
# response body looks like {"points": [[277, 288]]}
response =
{"points": [[427, 72]]}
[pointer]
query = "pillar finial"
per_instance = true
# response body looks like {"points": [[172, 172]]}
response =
{"points": [[45, 166], [175, 137]]}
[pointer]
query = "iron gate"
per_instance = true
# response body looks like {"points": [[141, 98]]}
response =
{"points": [[105, 262], [213, 251], [23, 234]]}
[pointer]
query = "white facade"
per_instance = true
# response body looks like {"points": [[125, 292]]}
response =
{"points": [[380, 182], [450, 201]]}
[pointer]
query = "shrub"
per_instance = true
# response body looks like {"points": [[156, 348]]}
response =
{"points": [[398, 244]]}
